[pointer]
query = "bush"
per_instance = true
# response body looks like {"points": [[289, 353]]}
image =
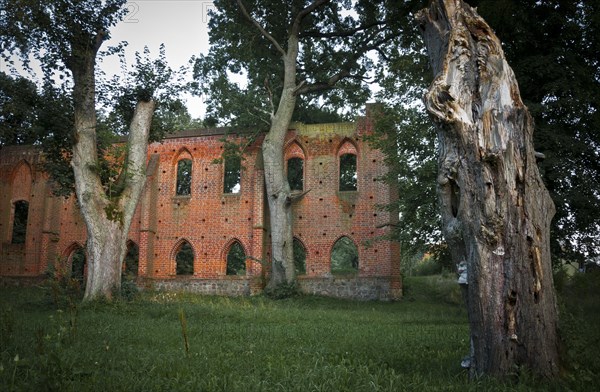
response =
{"points": [[283, 290], [580, 324], [433, 288], [129, 290], [64, 290], [429, 266]]}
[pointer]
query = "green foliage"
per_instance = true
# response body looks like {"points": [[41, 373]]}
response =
{"points": [[20, 214], [232, 174], [334, 39], [114, 213], [427, 266], [64, 286], [148, 78], [60, 34], [295, 173], [348, 178], [282, 291], [42, 116], [405, 135], [236, 260], [299, 257], [129, 290], [407, 139], [579, 300], [185, 260], [19, 99], [184, 177], [344, 257], [255, 344], [49, 30], [434, 288], [78, 261]]}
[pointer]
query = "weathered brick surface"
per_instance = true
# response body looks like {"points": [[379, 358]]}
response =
{"points": [[210, 220]]}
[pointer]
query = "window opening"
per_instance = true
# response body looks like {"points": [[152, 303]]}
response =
{"points": [[184, 177], [232, 177], [344, 257], [295, 173], [130, 264], [236, 260], [20, 222], [185, 260], [348, 177], [299, 257], [78, 266]]}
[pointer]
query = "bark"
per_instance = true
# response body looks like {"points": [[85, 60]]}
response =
{"points": [[278, 189], [107, 219], [496, 211], [279, 196]]}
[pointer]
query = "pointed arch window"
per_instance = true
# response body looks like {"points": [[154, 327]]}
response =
{"points": [[299, 257], [185, 259], [184, 178], [295, 173], [236, 260], [78, 265], [131, 261], [348, 176], [344, 257], [232, 175], [20, 216]]}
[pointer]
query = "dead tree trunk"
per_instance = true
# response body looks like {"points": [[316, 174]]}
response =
{"points": [[496, 211]]}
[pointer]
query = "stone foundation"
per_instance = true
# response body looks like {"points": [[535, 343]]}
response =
{"points": [[357, 288], [230, 286], [21, 281], [361, 288]]}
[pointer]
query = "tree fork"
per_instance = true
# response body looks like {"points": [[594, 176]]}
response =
{"points": [[496, 211]]}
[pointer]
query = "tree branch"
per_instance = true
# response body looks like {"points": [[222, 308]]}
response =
{"points": [[302, 14], [99, 39], [295, 196], [272, 114], [345, 33], [344, 72], [260, 28]]}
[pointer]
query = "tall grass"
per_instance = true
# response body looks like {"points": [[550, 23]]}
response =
{"points": [[249, 344]]}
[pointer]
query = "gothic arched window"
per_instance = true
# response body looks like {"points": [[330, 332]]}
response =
{"points": [[184, 178]]}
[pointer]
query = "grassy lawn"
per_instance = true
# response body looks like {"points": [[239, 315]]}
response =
{"points": [[256, 344]]}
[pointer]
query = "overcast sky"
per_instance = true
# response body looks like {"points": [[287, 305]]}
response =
{"points": [[182, 25]]}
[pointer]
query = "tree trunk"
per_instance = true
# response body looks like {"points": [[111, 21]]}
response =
{"points": [[496, 211], [107, 218], [278, 189]]}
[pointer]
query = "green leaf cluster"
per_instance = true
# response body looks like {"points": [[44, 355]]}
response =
{"points": [[334, 39], [60, 35], [406, 136]]}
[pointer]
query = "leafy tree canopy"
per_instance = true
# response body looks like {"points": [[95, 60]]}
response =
{"points": [[556, 63], [56, 34], [406, 136], [333, 40]]}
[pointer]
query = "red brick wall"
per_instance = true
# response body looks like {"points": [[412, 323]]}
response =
{"points": [[210, 221]]}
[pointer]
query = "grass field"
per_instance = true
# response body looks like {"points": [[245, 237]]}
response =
{"points": [[256, 344]]}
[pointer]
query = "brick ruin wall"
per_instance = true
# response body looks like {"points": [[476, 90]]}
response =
{"points": [[211, 220]]}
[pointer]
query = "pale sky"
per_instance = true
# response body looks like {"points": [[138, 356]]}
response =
{"points": [[182, 25]]}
